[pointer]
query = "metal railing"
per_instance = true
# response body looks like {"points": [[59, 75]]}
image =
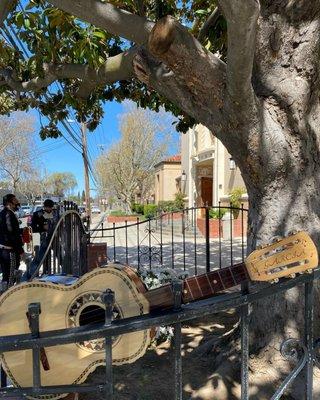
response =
{"points": [[64, 251], [188, 239], [304, 349]]}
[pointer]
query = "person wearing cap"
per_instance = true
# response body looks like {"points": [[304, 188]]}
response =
{"points": [[43, 222], [11, 245]]}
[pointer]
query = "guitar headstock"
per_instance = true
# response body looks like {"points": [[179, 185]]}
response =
{"points": [[287, 257]]}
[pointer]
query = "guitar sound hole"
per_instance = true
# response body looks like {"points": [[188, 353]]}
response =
{"points": [[92, 315]]}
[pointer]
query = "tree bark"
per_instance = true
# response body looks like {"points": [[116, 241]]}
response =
{"points": [[115, 69], [106, 16], [274, 139], [5, 8]]}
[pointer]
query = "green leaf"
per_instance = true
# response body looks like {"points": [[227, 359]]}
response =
{"points": [[201, 12], [100, 34], [19, 19], [26, 23]]}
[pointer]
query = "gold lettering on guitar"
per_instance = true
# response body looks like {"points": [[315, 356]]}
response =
{"points": [[285, 257]]}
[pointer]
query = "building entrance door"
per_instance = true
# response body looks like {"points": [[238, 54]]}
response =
{"points": [[206, 191]]}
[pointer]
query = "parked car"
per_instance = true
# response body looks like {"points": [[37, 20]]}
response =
{"points": [[95, 210], [26, 209], [81, 210], [20, 213]]}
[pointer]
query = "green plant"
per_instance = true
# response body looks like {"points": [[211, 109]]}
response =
{"points": [[150, 210], [179, 201], [117, 213], [177, 204], [216, 213], [166, 206], [235, 200], [137, 208]]}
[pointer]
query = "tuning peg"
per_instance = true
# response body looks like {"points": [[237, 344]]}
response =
{"points": [[276, 239], [261, 246], [292, 275], [309, 271], [275, 280], [292, 232]]}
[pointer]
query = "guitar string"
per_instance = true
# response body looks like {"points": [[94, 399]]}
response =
{"points": [[217, 272], [233, 274]]}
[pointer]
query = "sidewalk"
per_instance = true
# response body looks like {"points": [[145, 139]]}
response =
{"points": [[138, 243]]}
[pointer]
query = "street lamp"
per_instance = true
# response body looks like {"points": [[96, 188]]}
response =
{"points": [[183, 181], [232, 164]]}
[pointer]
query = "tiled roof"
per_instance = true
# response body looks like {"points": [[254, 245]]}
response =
{"points": [[175, 158]]}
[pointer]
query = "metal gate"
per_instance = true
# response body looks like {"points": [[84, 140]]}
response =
{"points": [[304, 351], [65, 251], [188, 239]]}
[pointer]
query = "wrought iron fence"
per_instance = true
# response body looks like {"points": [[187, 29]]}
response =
{"points": [[187, 240], [64, 249], [305, 350]]}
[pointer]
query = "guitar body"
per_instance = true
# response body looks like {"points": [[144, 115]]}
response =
{"points": [[66, 306], [72, 302]]}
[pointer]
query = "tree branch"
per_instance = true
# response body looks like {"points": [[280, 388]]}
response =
{"points": [[31, 85], [209, 23], [115, 68], [202, 73], [242, 16], [164, 81], [140, 6], [108, 17], [5, 8]]}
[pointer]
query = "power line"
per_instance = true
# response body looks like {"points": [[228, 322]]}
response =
{"points": [[75, 136], [47, 151], [68, 127], [45, 96]]}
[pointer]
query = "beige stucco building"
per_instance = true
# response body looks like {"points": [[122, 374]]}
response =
{"points": [[209, 171], [167, 175]]}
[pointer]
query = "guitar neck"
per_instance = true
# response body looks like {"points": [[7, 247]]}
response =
{"points": [[199, 287]]}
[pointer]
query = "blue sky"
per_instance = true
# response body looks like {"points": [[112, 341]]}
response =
{"points": [[56, 155], [59, 156]]}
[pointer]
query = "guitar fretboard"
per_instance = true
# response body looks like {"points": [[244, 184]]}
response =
{"points": [[199, 287], [206, 285]]}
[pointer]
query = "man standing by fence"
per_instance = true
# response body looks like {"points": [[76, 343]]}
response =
{"points": [[43, 222], [44, 219], [11, 245]]}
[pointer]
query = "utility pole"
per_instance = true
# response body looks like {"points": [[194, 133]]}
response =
{"points": [[86, 170]]}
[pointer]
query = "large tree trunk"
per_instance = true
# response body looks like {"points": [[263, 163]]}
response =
{"points": [[275, 212], [275, 142], [283, 183]]}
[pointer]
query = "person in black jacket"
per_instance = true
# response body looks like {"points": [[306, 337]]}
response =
{"points": [[43, 219], [43, 222], [11, 245]]}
